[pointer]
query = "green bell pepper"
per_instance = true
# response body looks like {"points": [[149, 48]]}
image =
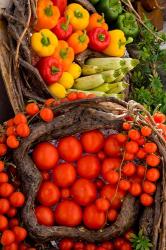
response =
{"points": [[128, 24], [111, 9], [94, 1]]}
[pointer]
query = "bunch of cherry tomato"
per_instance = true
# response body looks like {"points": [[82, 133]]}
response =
{"points": [[120, 243], [86, 178]]}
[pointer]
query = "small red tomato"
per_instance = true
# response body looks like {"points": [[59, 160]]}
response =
{"points": [[92, 141], [110, 164], [101, 155], [118, 242], [93, 218], [78, 245], [90, 246], [108, 245], [126, 246], [88, 167], [149, 187], [152, 160], [102, 204], [135, 189], [141, 154], [44, 215], [146, 200], [112, 147], [66, 244], [45, 156], [68, 213], [70, 149], [48, 194], [99, 183], [129, 169], [64, 175], [124, 185], [159, 117], [141, 171], [112, 215], [84, 192], [150, 147], [134, 134], [111, 177], [127, 126], [146, 131], [132, 147], [122, 138]]}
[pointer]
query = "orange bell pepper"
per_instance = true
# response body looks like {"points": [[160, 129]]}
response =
{"points": [[65, 54], [47, 15], [97, 20], [78, 41]]}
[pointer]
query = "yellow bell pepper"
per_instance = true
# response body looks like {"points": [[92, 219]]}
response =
{"points": [[78, 16], [117, 45], [44, 42]]}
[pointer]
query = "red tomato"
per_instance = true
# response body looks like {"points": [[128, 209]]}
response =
{"points": [[109, 192], [64, 175], [65, 193], [108, 245], [112, 147], [44, 216], [93, 218], [84, 192], [92, 141], [126, 246], [159, 117], [45, 156], [70, 149], [78, 245], [110, 164], [118, 243], [99, 183], [68, 213], [112, 215], [90, 246], [102, 204], [48, 194], [111, 177], [88, 167], [66, 244]]}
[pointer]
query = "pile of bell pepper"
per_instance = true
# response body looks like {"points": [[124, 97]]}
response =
{"points": [[63, 31]]}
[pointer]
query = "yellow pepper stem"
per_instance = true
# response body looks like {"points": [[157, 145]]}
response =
{"points": [[129, 40], [64, 53], [45, 40], [48, 11], [78, 14]]}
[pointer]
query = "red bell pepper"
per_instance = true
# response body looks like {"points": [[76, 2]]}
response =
{"points": [[99, 39], [63, 29], [50, 69], [61, 4]]}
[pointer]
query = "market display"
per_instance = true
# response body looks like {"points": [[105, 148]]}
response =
{"points": [[82, 167]]}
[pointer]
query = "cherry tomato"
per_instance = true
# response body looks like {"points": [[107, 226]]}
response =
{"points": [[135, 189], [110, 164], [108, 245], [102, 204], [129, 169], [20, 233], [150, 147], [4, 223], [118, 243], [78, 245], [4, 206], [152, 174], [64, 175], [70, 149], [17, 199], [68, 213], [132, 147], [45, 156], [93, 218], [149, 187], [134, 134], [92, 141], [7, 237], [66, 244], [90, 246], [88, 167], [146, 200], [126, 246], [112, 147], [48, 194], [124, 185], [44, 216], [141, 170], [111, 177], [159, 117], [152, 160], [84, 192], [112, 215]]}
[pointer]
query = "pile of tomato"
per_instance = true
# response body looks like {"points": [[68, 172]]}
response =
{"points": [[86, 177], [120, 243]]}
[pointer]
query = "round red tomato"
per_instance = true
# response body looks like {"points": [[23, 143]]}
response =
{"points": [[68, 213], [64, 175], [48, 194], [88, 167], [45, 156], [92, 141], [119, 242], [44, 216], [110, 164], [109, 192], [70, 149], [93, 218], [112, 147], [66, 244], [84, 192]]}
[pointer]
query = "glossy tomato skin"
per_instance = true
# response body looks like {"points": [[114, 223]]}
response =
{"points": [[68, 213], [92, 141], [84, 192], [70, 149], [64, 175], [109, 192], [112, 147], [66, 244], [48, 194], [45, 156], [44, 215], [88, 167], [93, 218], [110, 164]]}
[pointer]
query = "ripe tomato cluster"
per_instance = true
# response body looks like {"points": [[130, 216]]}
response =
{"points": [[120, 243], [12, 234], [86, 178]]}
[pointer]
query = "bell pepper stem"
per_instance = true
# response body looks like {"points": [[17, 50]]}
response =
{"points": [[54, 70], [82, 38], [78, 14], [45, 40], [100, 20], [48, 11], [128, 41], [101, 37], [64, 53], [65, 25]]}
